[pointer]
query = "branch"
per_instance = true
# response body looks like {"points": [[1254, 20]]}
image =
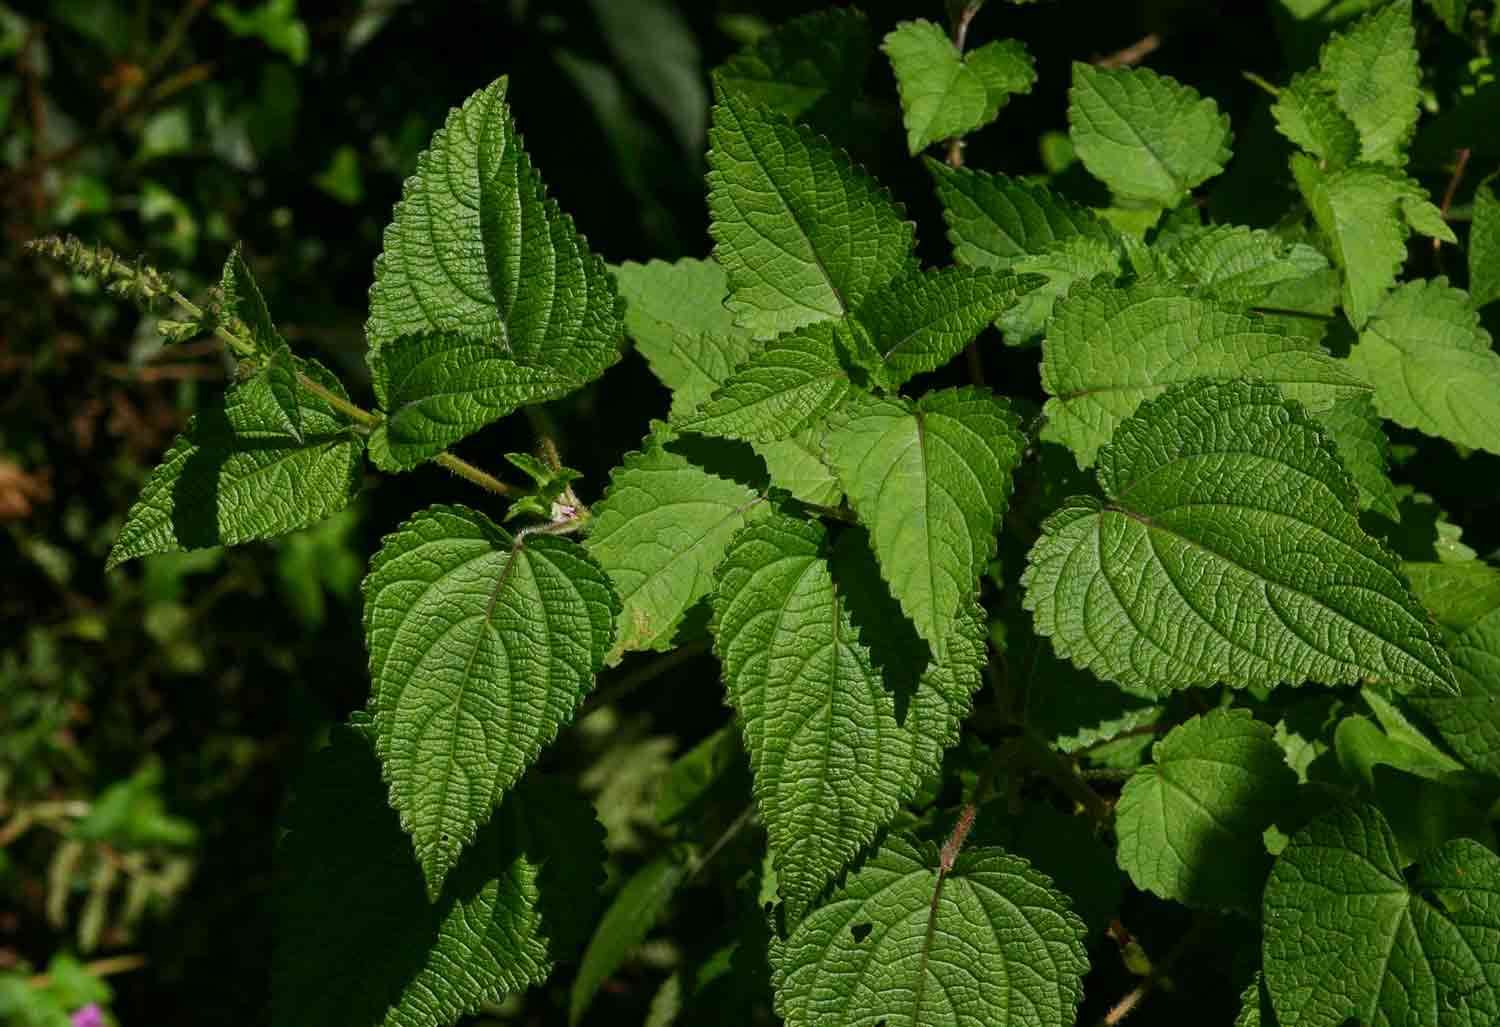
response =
{"points": [[1132, 54]]}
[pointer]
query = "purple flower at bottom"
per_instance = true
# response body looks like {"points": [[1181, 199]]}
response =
{"points": [[88, 1016]]}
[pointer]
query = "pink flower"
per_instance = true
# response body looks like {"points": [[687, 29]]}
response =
{"points": [[88, 1016]]}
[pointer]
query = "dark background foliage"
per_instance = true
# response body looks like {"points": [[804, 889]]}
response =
{"points": [[170, 703]]}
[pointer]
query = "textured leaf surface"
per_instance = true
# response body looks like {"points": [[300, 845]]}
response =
{"points": [[1109, 349], [995, 220], [236, 475], [1347, 936], [1465, 599], [803, 234], [659, 532], [1432, 364], [1239, 265], [834, 748], [1146, 136], [1484, 246], [476, 249], [1372, 70], [946, 94], [993, 943], [923, 320], [1227, 550], [273, 390], [1190, 823], [1309, 115], [804, 67], [479, 651], [1354, 427], [358, 943], [930, 479]]}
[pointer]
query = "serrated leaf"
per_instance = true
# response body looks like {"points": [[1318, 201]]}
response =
{"points": [[802, 233], [1063, 264], [1146, 136], [1228, 550], [991, 942], [1484, 246], [625, 924], [660, 530], [797, 465], [1346, 935], [923, 320], [358, 942], [477, 250], [1354, 427], [1432, 364], [1465, 599], [834, 748], [930, 479], [235, 476], [480, 649], [1190, 823], [945, 93], [1371, 67], [805, 68], [273, 389], [1237, 264], [790, 383], [995, 220], [1364, 212], [1109, 349], [1308, 114]]}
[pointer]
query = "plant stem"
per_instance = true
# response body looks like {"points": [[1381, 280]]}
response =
{"points": [[1458, 174], [734, 828], [1061, 771], [107, 967], [1158, 976], [618, 690]]}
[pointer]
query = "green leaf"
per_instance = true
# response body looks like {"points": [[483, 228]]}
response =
{"points": [[922, 321], [1309, 115], [1063, 264], [1432, 364], [1110, 349], [1354, 427], [1363, 213], [803, 234], [358, 942], [1465, 599], [1255, 1005], [990, 942], [807, 69], [630, 917], [1372, 70], [235, 475], [663, 525], [1239, 265], [439, 388], [995, 220], [1484, 246], [1346, 936], [834, 747], [1190, 824], [792, 382], [273, 390], [930, 479], [797, 465], [1452, 13], [1146, 136], [1064, 847], [477, 251], [1228, 551], [945, 94], [1458, 595], [481, 647]]}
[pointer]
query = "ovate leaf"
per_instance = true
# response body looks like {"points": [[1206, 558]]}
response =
{"points": [[480, 649], [803, 234], [1372, 70], [1239, 265], [358, 942], [930, 479], [659, 532], [1063, 264], [1109, 349], [834, 748], [946, 94], [1349, 935], [1354, 427], [1190, 823], [1484, 246], [1146, 136], [995, 220], [1432, 364], [990, 942], [236, 474], [1227, 550], [1309, 115]]}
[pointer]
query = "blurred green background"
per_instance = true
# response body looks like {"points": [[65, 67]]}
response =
{"points": [[151, 719]]}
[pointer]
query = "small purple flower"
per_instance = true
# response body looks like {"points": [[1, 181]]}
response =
{"points": [[88, 1016]]}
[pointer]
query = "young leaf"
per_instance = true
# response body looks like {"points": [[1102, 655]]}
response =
{"points": [[1190, 824], [630, 917], [1364, 212], [236, 475], [833, 748], [944, 93], [358, 941], [1372, 70], [1484, 246], [995, 220], [803, 234], [923, 320], [1346, 935], [1228, 551], [1109, 349], [1309, 115], [1465, 599], [659, 532], [1238, 265], [1063, 264], [930, 479], [807, 69], [989, 942], [1146, 136], [1354, 427], [477, 250], [481, 647], [273, 390], [1432, 364]]}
